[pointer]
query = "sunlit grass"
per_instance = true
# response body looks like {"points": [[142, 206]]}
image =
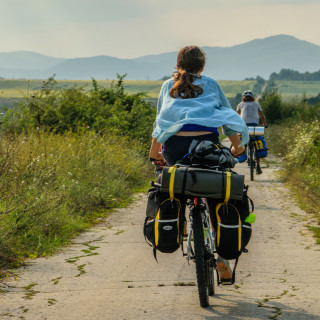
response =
{"points": [[22, 88], [290, 90]]}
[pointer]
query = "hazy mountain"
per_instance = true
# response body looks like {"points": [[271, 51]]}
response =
{"points": [[258, 57], [27, 60], [262, 57]]}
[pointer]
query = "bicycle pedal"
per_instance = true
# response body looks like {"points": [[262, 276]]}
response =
{"points": [[226, 282]]}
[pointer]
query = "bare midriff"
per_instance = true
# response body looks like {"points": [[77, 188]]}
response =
{"points": [[192, 133]]}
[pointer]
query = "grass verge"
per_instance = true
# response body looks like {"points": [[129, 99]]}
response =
{"points": [[298, 143], [53, 187]]}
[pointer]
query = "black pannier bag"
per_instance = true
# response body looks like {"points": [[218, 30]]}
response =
{"points": [[232, 231], [164, 221]]}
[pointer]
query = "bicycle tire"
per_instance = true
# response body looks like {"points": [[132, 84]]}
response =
{"points": [[211, 281], [252, 163], [210, 269], [201, 263]]}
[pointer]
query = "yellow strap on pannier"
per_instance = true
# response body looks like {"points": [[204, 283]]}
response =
{"points": [[156, 228], [157, 220], [228, 186], [172, 171], [218, 223]]}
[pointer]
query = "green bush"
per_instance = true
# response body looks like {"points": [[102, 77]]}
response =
{"points": [[304, 153], [272, 105], [103, 110], [278, 111]]}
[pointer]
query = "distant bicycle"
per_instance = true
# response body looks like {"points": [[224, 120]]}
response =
{"points": [[252, 148]]}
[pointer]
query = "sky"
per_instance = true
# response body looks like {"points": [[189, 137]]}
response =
{"points": [[134, 28]]}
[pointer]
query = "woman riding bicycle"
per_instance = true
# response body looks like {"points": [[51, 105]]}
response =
{"points": [[192, 106], [250, 111]]}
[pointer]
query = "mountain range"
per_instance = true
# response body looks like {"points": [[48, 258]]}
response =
{"points": [[257, 57]]}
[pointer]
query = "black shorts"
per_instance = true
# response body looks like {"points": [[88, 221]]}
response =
{"points": [[176, 147]]}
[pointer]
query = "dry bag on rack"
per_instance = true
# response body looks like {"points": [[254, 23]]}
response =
{"points": [[204, 183]]}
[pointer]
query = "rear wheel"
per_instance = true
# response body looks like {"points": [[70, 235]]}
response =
{"points": [[202, 264]]}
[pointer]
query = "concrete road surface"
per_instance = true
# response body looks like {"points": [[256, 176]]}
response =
{"points": [[110, 273]]}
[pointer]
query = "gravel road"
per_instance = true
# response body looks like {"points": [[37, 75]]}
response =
{"points": [[109, 272]]}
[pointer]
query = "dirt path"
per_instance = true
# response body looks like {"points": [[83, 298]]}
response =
{"points": [[110, 273]]}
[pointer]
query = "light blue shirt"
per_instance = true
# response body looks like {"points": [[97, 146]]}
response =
{"points": [[210, 109]]}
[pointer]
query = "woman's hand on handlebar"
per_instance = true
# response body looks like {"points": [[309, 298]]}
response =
{"points": [[156, 156], [237, 151]]}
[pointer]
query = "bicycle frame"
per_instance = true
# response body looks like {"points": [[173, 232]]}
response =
{"points": [[251, 157], [207, 227], [254, 131]]}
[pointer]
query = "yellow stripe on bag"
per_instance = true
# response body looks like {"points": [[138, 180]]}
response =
{"points": [[218, 223], [228, 186], [156, 228], [239, 234], [172, 171]]}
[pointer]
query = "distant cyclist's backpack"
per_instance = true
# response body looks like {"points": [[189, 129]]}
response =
{"points": [[163, 224], [232, 224], [261, 147], [242, 158]]}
